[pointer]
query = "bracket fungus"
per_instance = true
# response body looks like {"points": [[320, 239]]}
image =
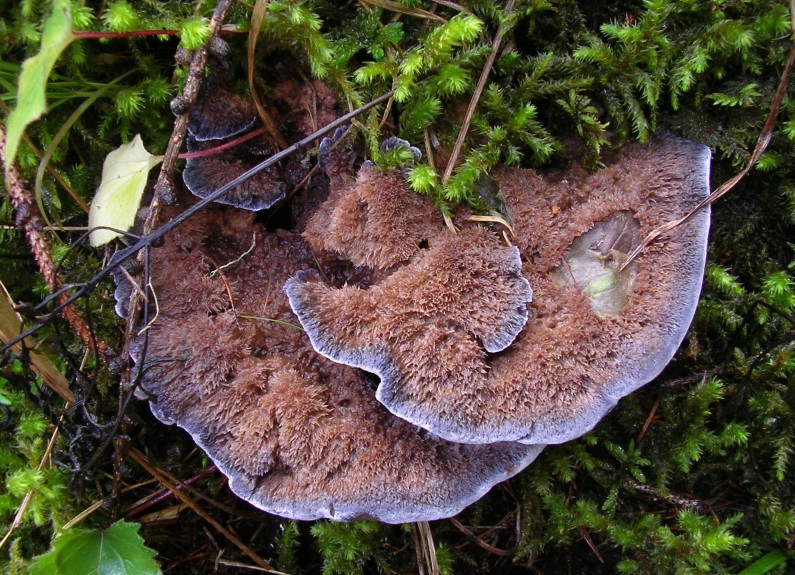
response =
{"points": [[477, 370], [595, 333], [220, 150], [296, 434]]}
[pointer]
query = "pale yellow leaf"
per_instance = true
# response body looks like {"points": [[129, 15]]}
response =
{"points": [[116, 202]]}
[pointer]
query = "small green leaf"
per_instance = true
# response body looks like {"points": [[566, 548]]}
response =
{"points": [[119, 550], [31, 101], [124, 176], [767, 563]]}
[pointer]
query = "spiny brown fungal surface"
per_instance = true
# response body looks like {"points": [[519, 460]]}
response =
{"points": [[296, 434], [591, 338], [377, 204]]}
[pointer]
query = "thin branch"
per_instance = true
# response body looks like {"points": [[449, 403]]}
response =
{"points": [[477, 540], [140, 458], [29, 220]]}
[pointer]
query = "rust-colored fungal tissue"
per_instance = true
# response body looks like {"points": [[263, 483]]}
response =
{"points": [[482, 352]]}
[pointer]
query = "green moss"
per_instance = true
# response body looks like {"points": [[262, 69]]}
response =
{"points": [[706, 487]]}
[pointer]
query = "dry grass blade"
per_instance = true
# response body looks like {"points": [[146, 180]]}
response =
{"points": [[83, 514], [454, 6], [475, 539], [10, 327], [257, 16], [473, 103], [493, 220], [427, 563], [726, 187], [400, 9]]}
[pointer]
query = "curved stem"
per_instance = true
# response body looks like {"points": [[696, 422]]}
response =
{"points": [[60, 135]]}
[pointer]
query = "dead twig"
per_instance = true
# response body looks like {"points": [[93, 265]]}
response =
{"points": [[151, 238], [30, 221], [671, 499], [761, 145], [161, 476], [473, 103], [477, 540], [164, 185]]}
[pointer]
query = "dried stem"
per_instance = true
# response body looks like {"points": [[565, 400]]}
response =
{"points": [[257, 16], [140, 458], [164, 184], [726, 187], [477, 540], [473, 103]]}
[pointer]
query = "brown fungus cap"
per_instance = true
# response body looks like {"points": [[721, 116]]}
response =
{"points": [[296, 434], [220, 114], [595, 333]]}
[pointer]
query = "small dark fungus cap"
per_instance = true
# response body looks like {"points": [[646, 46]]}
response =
{"points": [[296, 434], [220, 114], [594, 335], [204, 175]]}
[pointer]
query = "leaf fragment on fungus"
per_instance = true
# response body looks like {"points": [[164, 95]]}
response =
{"points": [[116, 202]]}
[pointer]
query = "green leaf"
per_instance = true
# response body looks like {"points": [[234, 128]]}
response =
{"points": [[117, 551], [31, 101], [124, 176], [765, 564]]}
